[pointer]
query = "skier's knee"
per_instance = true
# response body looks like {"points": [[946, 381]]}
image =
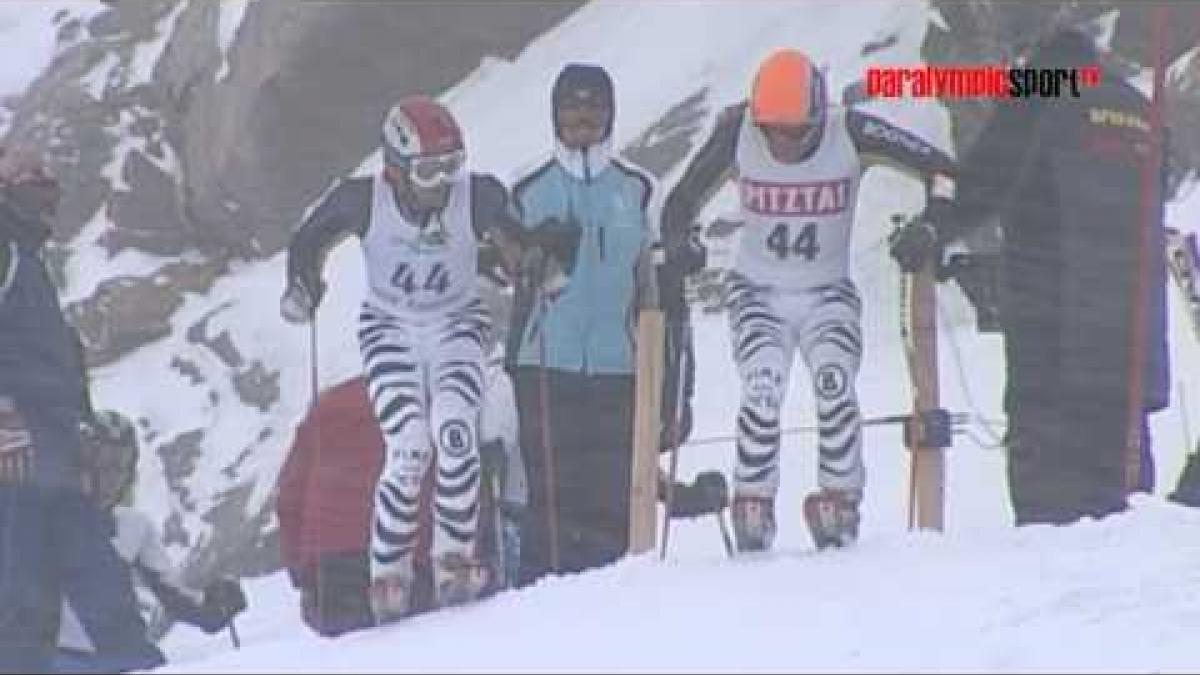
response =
{"points": [[456, 439], [406, 465], [762, 389], [408, 443]]}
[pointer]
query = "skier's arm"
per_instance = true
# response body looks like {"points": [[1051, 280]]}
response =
{"points": [[344, 211], [704, 175], [493, 221], [881, 142]]}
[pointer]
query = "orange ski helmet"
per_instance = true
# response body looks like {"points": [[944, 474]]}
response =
{"points": [[788, 91]]}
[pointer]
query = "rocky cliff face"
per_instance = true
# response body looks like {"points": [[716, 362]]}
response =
{"points": [[204, 128]]}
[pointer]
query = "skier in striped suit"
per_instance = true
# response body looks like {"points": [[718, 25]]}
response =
{"points": [[422, 331], [798, 162]]}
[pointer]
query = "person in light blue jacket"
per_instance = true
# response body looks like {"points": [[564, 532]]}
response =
{"points": [[571, 344]]}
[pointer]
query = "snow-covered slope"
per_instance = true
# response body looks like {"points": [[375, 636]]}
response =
{"points": [[1111, 596]]}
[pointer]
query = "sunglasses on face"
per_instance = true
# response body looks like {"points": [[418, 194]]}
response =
{"points": [[434, 170]]}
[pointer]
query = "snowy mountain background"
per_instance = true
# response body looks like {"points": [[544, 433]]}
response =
{"points": [[170, 263]]}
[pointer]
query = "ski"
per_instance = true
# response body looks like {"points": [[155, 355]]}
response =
{"points": [[676, 354]]}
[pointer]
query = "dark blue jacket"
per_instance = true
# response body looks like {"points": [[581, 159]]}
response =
{"points": [[39, 362], [1066, 178]]}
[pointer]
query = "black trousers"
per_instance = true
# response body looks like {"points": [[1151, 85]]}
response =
{"points": [[55, 543], [590, 419], [1067, 401]]}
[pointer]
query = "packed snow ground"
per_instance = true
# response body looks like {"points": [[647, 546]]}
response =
{"points": [[1116, 595], [1101, 596]]}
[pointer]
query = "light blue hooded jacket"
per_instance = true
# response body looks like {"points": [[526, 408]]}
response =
{"points": [[590, 325]]}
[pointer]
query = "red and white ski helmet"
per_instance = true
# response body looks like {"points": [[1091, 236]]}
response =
{"points": [[419, 126]]}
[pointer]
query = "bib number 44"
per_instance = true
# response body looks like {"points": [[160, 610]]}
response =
{"points": [[436, 281], [804, 244]]}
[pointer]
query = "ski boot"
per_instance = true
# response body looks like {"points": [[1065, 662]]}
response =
{"points": [[391, 597], [832, 517], [753, 523], [459, 579]]}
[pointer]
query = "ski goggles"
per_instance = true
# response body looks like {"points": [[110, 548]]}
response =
{"points": [[800, 134], [430, 171]]}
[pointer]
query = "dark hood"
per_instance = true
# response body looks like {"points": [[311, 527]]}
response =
{"points": [[583, 81]]}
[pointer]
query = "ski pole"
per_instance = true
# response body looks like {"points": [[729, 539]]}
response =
{"points": [[544, 405], [725, 538], [681, 354], [233, 635], [314, 383]]}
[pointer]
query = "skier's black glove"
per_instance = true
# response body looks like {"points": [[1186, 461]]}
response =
{"points": [[913, 244], [687, 257], [299, 301], [223, 600], [491, 264], [671, 293]]}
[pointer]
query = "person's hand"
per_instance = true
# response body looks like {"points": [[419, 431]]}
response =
{"points": [[913, 244], [224, 599], [491, 264], [16, 445], [549, 257], [559, 239], [298, 304]]}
